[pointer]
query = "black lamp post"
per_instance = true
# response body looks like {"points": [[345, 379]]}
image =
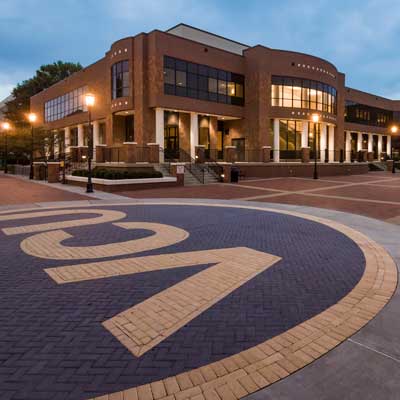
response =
{"points": [[6, 127], [32, 119], [393, 129], [315, 119], [89, 100]]}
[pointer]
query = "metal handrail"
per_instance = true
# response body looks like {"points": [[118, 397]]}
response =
{"points": [[198, 171]]}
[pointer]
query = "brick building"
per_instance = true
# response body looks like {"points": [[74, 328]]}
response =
{"points": [[189, 93]]}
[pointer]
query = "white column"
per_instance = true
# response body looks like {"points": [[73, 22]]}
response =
{"points": [[331, 144], [55, 144], [160, 130], [370, 147], [96, 134], [389, 146], [96, 137], [359, 141], [80, 135], [323, 142], [379, 146], [194, 133], [276, 140], [304, 134], [348, 146], [67, 139]]}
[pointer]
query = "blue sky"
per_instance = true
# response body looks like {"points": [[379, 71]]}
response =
{"points": [[362, 38]]}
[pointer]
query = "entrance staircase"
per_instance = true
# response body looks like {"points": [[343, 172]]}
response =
{"points": [[195, 173], [377, 166], [206, 176]]}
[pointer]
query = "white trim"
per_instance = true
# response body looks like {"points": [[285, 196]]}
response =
{"points": [[111, 182]]}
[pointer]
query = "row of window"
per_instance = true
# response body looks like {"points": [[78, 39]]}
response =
{"points": [[367, 115], [182, 78], [74, 135], [303, 93], [67, 104], [120, 79]]}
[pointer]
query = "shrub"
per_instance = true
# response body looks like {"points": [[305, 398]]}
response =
{"points": [[103, 173]]}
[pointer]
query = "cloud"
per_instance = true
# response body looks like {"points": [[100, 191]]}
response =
{"points": [[360, 38]]}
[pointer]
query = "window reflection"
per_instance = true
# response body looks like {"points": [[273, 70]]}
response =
{"points": [[65, 105], [182, 78], [367, 115], [120, 79]]}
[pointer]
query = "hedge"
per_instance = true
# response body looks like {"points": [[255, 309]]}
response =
{"points": [[113, 175]]}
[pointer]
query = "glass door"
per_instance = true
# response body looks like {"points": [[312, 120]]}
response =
{"points": [[375, 146], [171, 142]]}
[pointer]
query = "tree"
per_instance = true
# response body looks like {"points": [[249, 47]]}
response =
{"points": [[18, 108], [46, 76]]}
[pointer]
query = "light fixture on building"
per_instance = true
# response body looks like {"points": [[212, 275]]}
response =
{"points": [[315, 118]]}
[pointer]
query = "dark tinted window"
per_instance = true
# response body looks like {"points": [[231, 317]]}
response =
{"points": [[202, 82]]}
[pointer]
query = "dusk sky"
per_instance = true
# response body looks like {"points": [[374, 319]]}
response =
{"points": [[360, 37]]}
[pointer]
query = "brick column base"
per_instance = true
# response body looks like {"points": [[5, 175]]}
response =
{"points": [[178, 170], [266, 154], [38, 171], [53, 172], [154, 153], [305, 154], [99, 154], [129, 152], [227, 173], [364, 155], [230, 154]]}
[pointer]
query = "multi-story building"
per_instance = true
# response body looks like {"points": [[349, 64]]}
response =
{"points": [[189, 92]]}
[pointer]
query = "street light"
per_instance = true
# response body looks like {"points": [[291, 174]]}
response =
{"points": [[393, 129], [315, 119], [6, 127], [89, 101], [32, 117]]}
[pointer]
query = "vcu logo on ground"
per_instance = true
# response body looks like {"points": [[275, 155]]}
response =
{"points": [[144, 325]]}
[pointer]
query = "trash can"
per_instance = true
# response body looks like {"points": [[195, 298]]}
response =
{"points": [[235, 174]]}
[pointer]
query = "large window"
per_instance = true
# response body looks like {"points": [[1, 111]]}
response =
{"points": [[120, 79], [102, 133], [367, 115], [303, 93], [290, 138], [74, 137], [65, 105], [182, 78]]}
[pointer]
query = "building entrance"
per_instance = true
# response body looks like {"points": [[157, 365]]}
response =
{"points": [[171, 142]]}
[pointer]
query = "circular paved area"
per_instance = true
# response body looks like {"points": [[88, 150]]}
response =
{"points": [[177, 301]]}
